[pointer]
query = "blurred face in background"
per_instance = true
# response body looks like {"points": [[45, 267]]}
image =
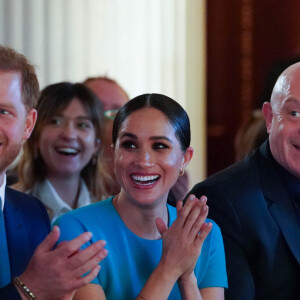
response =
{"points": [[112, 98], [68, 141]]}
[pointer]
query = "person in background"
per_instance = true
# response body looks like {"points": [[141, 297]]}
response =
{"points": [[146, 260], [113, 96], [250, 135], [256, 204], [29, 267], [60, 164]]}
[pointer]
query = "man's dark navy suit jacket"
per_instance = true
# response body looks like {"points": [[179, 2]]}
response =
{"points": [[260, 228], [26, 225]]}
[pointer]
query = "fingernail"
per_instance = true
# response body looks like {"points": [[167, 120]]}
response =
{"points": [[89, 235], [102, 242], [191, 197]]}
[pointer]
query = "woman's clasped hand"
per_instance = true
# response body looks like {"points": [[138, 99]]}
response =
{"points": [[183, 241]]}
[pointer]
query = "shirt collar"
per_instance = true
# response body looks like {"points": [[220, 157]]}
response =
{"points": [[2, 191], [291, 182], [45, 191]]}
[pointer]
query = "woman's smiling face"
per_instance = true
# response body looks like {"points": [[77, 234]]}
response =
{"points": [[148, 156], [68, 141]]}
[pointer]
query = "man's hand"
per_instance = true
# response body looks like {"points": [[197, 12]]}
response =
{"points": [[57, 273]]}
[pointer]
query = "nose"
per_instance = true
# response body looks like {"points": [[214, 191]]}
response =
{"points": [[68, 130], [145, 158]]}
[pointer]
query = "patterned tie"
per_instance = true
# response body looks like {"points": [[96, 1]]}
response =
{"points": [[4, 257]]}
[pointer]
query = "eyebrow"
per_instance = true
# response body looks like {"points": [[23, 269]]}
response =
{"points": [[60, 115], [292, 100], [154, 138], [7, 106], [84, 118]]}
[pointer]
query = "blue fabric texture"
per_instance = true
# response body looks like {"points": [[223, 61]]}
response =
{"points": [[131, 259]]}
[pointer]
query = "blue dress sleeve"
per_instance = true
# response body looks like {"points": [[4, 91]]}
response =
{"points": [[214, 254], [70, 228]]}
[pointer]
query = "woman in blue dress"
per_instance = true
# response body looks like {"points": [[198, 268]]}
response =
{"points": [[155, 251]]}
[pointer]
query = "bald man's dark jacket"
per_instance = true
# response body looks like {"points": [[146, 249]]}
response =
{"points": [[260, 228], [26, 225]]}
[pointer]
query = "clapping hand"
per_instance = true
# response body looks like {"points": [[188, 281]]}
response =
{"points": [[57, 273], [182, 242]]}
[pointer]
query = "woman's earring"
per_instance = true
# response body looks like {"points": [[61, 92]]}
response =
{"points": [[95, 158], [181, 172]]}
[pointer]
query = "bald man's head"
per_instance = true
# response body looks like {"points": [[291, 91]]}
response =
{"points": [[282, 116]]}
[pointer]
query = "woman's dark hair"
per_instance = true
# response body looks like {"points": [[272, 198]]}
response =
{"points": [[54, 99], [175, 113]]}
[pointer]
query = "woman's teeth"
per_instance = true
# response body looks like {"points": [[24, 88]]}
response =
{"points": [[146, 180], [68, 151]]}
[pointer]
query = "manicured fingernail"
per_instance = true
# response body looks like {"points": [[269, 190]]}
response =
{"points": [[203, 199], [88, 235], [102, 242]]}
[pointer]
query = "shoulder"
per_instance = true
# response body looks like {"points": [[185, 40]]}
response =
{"points": [[26, 209], [234, 180], [237, 171], [99, 211], [103, 207], [19, 199], [95, 218]]}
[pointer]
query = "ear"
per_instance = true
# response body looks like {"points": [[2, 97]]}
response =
{"points": [[187, 157], [268, 114], [29, 123]]}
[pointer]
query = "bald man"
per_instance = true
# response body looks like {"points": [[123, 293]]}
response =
{"points": [[256, 202]]}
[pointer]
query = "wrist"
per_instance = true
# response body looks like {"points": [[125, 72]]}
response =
{"points": [[23, 289], [166, 273], [187, 278], [159, 285]]}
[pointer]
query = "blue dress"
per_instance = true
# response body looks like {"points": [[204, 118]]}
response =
{"points": [[131, 259]]}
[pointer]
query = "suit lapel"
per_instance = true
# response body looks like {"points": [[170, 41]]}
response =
{"points": [[17, 235], [280, 206]]}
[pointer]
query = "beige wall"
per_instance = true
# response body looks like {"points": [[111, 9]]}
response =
{"points": [[148, 46], [195, 85]]}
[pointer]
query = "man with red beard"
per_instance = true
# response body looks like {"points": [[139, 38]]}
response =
{"points": [[29, 267], [256, 203]]}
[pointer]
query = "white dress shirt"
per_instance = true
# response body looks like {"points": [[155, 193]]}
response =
{"points": [[2, 192], [56, 207]]}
